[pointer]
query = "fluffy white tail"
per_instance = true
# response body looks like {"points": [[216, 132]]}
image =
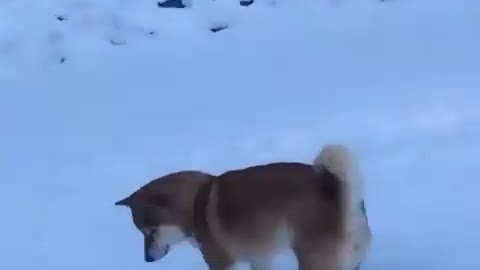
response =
{"points": [[339, 161]]}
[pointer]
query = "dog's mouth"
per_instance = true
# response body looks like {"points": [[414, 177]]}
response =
{"points": [[156, 253]]}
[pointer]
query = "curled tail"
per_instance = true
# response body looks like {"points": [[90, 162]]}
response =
{"points": [[336, 165], [339, 161]]}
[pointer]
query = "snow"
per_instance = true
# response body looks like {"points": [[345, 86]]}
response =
{"points": [[85, 122]]}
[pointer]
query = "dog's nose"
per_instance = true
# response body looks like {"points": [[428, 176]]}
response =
{"points": [[149, 258]]}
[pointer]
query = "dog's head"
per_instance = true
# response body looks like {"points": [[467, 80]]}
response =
{"points": [[158, 224], [162, 212]]}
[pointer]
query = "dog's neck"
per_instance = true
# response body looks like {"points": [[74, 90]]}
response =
{"points": [[200, 222], [194, 200]]}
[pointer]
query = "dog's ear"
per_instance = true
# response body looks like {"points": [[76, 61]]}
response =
{"points": [[125, 202], [143, 199]]}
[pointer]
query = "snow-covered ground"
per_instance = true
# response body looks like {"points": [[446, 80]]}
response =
{"points": [[98, 97]]}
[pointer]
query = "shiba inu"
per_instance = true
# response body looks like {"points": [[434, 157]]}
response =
{"points": [[317, 210]]}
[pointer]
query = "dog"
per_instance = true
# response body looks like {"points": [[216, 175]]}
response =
{"points": [[250, 214]]}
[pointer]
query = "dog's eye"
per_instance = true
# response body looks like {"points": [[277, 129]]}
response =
{"points": [[147, 231], [150, 232], [153, 234]]}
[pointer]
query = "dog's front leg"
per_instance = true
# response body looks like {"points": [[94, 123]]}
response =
{"points": [[216, 257]]}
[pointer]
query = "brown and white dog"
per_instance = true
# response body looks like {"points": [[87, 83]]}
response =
{"points": [[248, 215]]}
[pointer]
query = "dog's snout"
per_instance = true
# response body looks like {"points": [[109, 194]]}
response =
{"points": [[149, 240], [155, 253]]}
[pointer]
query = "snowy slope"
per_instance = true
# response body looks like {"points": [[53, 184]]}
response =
{"points": [[397, 81]]}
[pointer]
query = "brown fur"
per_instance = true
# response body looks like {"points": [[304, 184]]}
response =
{"points": [[252, 213], [249, 207]]}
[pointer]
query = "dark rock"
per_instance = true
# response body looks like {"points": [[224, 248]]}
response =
{"points": [[171, 4], [218, 28], [246, 3], [61, 18], [117, 42]]}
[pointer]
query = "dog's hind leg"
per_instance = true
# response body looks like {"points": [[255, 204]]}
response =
{"points": [[311, 258], [314, 262], [261, 263]]}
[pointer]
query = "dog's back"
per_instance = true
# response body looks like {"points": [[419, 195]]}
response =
{"points": [[257, 193]]}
